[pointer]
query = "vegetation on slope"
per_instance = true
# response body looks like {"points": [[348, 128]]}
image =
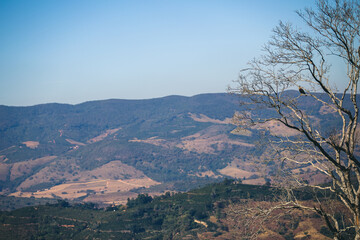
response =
{"points": [[197, 214]]}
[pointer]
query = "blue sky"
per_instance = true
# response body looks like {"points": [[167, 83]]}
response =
{"points": [[75, 51]]}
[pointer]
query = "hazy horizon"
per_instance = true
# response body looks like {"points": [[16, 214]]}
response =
{"points": [[107, 99], [130, 99]]}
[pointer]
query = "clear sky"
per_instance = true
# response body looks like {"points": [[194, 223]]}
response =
{"points": [[71, 51]]}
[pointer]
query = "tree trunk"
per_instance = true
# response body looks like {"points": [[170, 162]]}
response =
{"points": [[357, 236], [357, 233]]}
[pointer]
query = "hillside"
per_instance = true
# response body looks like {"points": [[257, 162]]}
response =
{"points": [[107, 151], [204, 213]]}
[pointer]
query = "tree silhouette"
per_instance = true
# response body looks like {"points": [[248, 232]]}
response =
{"points": [[295, 58]]}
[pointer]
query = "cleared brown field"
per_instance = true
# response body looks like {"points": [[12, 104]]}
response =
{"points": [[31, 144], [21, 168], [80, 189], [113, 170], [203, 143], [236, 172], [104, 135], [277, 129], [204, 118]]}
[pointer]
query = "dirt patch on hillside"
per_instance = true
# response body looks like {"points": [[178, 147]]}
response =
{"points": [[209, 144], [315, 178], [67, 169], [112, 170], [22, 168], [276, 128], [31, 144], [154, 141], [303, 169], [204, 118], [4, 171], [75, 142], [80, 189], [209, 141], [104, 135], [236, 172], [325, 109], [241, 132]]}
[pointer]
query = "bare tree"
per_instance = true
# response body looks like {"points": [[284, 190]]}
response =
{"points": [[298, 59]]}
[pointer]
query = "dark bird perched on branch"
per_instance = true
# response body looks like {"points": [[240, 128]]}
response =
{"points": [[301, 90]]}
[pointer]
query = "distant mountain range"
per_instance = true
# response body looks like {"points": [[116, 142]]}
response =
{"points": [[107, 151]]}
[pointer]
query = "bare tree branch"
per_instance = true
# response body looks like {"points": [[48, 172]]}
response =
{"points": [[297, 59]]}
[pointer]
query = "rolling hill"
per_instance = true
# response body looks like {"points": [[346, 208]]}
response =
{"points": [[106, 151]]}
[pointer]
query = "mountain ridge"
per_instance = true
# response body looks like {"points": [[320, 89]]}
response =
{"points": [[176, 141]]}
